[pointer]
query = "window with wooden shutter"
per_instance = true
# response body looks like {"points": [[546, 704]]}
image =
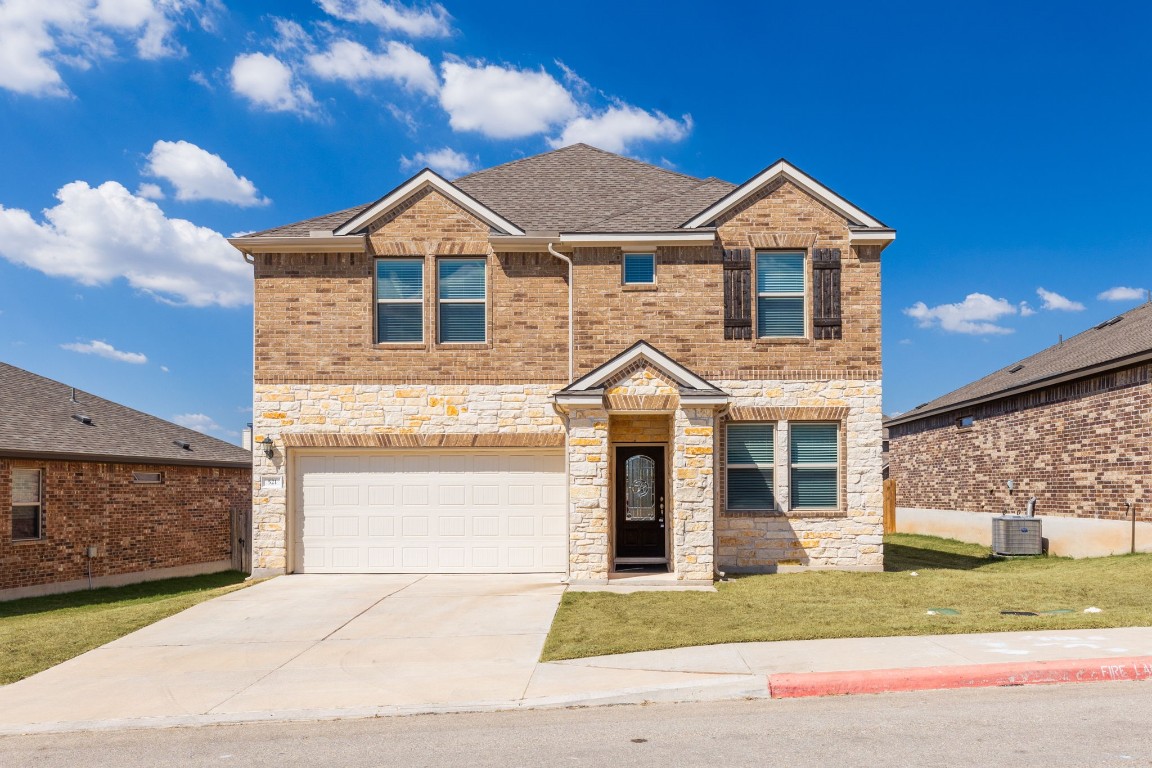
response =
{"points": [[826, 317], [738, 293]]}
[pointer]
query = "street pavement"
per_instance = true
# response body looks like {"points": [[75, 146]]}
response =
{"points": [[331, 647]]}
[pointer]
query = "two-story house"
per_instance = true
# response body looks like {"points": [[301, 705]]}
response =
{"points": [[574, 363]]}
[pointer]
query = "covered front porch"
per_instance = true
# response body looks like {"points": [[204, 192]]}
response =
{"points": [[641, 441]]}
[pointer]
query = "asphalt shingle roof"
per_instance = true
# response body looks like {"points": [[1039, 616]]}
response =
{"points": [[1115, 340], [37, 417], [574, 189]]}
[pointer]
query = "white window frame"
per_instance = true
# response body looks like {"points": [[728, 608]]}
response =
{"points": [[39, 505], [802, 294], [624, 267], [379, 301], [440, 302], [835, 465], [771, 466], [138, 478]]}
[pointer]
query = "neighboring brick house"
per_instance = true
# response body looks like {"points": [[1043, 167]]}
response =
{"points": [[152, 498], [1070, 426], [698, 390]]}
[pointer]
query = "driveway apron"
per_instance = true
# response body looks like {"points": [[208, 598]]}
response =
{"points": [[309, 642]]}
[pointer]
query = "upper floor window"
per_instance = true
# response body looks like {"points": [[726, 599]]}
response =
{"points": [[779, 294], [27, 504], [750, 457], [399, 300], [463, 293], [639, 269], [815, 456]]}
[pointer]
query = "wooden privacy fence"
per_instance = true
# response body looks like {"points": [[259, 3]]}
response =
{"points": [[890, 506]]}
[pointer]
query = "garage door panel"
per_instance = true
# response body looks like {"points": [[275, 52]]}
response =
{"points": [[448, 512]]}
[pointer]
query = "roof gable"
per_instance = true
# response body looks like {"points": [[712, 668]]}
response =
{"points": [[425, 179], [643, 352], [46, 418], [783, 169]]}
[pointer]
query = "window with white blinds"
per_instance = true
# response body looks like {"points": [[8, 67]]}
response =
{"points": [[750, 456], [463, 295], [399, 300], [815, 462], [779, 294]]}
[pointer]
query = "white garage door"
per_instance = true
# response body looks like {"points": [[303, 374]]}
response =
{"points": [[470, 511]]}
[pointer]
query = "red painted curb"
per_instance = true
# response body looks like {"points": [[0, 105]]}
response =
{"points": [[802, 684]]}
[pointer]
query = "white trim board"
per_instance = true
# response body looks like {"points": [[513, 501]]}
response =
{"points": [[423, 180], [782, 168]]}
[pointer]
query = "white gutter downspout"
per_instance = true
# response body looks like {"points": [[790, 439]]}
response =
{"points": [[567, 451], [571, 330]]}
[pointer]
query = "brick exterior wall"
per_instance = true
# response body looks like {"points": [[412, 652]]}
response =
{"points": [[316, 311], [184, 521], [1082, 449]]}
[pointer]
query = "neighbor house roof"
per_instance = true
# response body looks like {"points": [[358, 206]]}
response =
{"points": [[1123, 340], [44, 418], [576, 189]]}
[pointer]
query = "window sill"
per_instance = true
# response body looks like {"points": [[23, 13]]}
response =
{"points": [[776, 341], [463, 345], [401, 345], [639, 287], [28, 541]]}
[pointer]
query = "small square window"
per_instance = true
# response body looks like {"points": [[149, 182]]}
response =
{"points": [[148, 478], [965, 421], [639, 268]]}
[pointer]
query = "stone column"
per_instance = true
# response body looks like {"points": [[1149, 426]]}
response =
{"points": [[693, 497], [588, 493], [275, 409]]}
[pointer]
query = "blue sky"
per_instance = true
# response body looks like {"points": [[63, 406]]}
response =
{"points": [[1007, 143]]}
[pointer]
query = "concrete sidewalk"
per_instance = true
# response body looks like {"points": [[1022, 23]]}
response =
{"points": [[303, 648]]}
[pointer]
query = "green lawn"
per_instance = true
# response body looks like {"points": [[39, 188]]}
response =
{"points": [[921, 573], [40, 632]]}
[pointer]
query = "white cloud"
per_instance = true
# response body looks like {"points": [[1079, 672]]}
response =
{"points": [[352, 62], [447, 162], [619, 126], [268, 82], [98, 234], [1026, 309], [1123, 293], [204, 424], [38, 36], [503, 102], [976, 315], [1058, 302], [104, 349], [430, 21], [150, 191], [164, 368], [197, 174], [201, 422]]}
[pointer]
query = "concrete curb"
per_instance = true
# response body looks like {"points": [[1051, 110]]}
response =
{"points": [[805, 684]]}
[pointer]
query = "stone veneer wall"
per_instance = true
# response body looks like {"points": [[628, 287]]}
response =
{"points": [[366, 409], [851, 537]]}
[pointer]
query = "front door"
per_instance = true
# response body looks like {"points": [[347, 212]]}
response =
{"points": [[640, 504]]}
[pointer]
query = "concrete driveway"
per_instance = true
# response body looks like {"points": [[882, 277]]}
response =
{"points": [[308, 643]]}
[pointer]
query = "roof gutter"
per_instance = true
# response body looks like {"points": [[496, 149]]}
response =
{"points": [[316, 242], [1122, 362]]}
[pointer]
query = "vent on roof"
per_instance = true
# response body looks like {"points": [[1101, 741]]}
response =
{"points": [[83, 419], [1107, 323], [1015, 368], [919, 406], [182, 444]]}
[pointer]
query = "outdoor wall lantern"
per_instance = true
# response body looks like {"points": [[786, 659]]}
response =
{"points": [[266, 444]]}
